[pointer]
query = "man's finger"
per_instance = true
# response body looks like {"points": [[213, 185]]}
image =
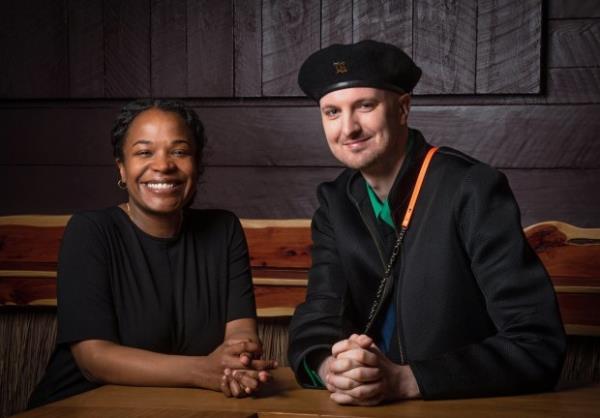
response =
{"points": [[343, 365], [360, 355], [364, 374], [340, 382]]}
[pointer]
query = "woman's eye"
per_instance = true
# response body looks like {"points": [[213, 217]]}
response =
{"points": [[143, 153], [181, 152]]}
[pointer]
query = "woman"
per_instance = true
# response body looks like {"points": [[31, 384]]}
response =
{"points": [[152, 293]]}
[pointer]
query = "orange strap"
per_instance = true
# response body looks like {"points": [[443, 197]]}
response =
{"points": [[417, 188]]}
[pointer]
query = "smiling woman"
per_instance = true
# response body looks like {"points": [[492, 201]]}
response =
{"points": [[152, 292]]}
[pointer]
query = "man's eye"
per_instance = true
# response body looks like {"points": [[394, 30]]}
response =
{"points": [[143, 153], [330, 113], [367, 105]]}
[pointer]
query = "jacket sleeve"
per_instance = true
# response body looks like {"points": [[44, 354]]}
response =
{"points": [[527, 351], [317, 323]]}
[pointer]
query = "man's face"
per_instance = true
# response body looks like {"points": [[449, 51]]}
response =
{"points": [[365, 126]]}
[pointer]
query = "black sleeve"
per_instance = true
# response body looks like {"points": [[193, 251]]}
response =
{"points": [[85, 303], [318, 323], [240, 297], [527, 351]]}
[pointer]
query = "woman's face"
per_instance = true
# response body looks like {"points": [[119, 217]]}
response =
{"points": [[159, 162]]}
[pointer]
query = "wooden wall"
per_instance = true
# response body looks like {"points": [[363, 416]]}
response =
{"points": [[515, 84]]}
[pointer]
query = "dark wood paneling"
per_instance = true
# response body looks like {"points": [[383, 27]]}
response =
{"points": [[210, 48], [574, 43], [33, 49], [56, 136], [509, 37], [169, 48], [558, 9], [291, 32], [516, 136], [386, 21], [566, 195], [336, 22], [86, 48], [127, 48], [247, 32], [573, 85], [262, 192], [444, 46], [504, 136]]}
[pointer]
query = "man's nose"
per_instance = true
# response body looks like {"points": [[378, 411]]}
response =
{"points": [[350, 125]]}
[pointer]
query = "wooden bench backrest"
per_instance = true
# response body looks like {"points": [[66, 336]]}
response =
{"points": [[280, 258]]}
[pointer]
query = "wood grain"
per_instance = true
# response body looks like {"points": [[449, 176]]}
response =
{"points": [[33, 49], [210, 48], [86, 48], [561, 9], [509, 46], [385, 21], [287, 399], [520, 136], [574, 43], [336, 22], [168, 45], [444, 46], [291, 32], [247, 31], [127, 48]]}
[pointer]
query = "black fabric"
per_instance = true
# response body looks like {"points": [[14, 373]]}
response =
{"points": [[476, 311], [366, 63], [172, 296]]}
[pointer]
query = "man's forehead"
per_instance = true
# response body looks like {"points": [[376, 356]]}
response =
{"points": [[352, 94]]}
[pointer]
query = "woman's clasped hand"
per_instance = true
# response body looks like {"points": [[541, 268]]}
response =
{"points": [[243, 370]]}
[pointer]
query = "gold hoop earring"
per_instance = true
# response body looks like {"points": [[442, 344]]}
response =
{"points": [[121, 184]]}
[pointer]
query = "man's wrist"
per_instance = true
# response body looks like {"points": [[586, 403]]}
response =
{"points": [[323, 369], [406, 383]]}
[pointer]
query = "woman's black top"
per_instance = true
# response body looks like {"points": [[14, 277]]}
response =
{"points": [[173, 295]]}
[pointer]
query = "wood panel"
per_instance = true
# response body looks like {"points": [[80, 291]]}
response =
{"points": [[210, 48], [336, 22], [561, 9], [574, 43], [444, 46], [262, 192], [291, 32], [168, 46], [247, 31], [385, 21], [127, 48], [509, 37], [33, 49], [86, 48], [505, 136]]}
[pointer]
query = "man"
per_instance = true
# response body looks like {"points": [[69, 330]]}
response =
{"points": [[467, 309]]}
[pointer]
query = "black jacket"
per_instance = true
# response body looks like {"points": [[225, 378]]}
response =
{"points": [[476, 312]]}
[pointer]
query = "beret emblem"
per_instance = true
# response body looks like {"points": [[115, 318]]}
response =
{"points": [[340, 67]]}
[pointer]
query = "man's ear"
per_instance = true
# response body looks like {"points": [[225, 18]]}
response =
{"points": [[404, 105]]}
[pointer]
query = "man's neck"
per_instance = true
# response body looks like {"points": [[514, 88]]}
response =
{"points": [[382, 178]]}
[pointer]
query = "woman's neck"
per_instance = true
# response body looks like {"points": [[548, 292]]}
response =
{"points": [[160, 226]]}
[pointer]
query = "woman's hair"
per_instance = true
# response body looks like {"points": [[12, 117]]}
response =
{"points": [[129, 112]]}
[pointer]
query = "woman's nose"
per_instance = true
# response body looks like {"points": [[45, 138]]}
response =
{"points": [[163, 162]]}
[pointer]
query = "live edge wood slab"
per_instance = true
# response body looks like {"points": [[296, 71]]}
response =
{"points": [[283, 398], [280, 259]]}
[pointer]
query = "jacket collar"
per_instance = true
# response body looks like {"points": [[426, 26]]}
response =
{"points": [[356, 188]]}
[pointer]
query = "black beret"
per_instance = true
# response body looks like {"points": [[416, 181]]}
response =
{"points": [[363, 64]]}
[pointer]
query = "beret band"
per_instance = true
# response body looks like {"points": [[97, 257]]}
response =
{"points": [[364, 64]]}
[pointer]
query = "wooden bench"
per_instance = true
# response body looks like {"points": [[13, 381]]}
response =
{"points": [[280, 258]]}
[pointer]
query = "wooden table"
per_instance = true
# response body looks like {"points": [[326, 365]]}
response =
{"points": [[286, 399]]}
